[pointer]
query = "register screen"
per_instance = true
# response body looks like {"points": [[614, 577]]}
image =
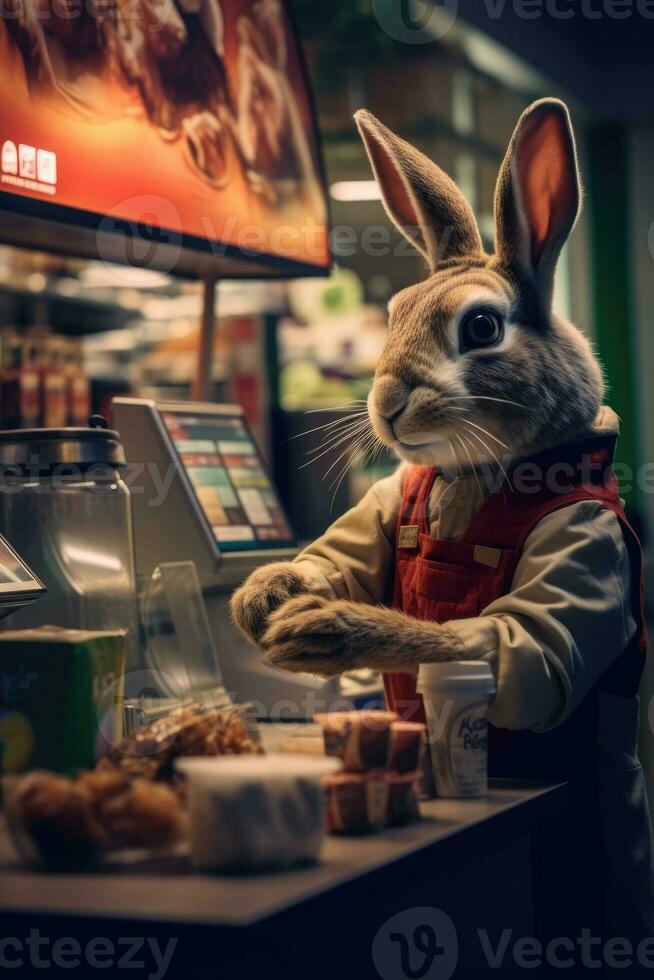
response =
{"points": [[227, 473]]}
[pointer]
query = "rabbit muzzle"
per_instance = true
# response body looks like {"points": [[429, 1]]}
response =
{"points": [[408, 420]]}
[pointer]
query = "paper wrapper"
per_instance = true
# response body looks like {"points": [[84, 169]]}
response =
{"points": [[362, 739], [356, 802], [402, 805]]}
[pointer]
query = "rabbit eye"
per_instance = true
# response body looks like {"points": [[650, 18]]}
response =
{"points": [[480, 328]]}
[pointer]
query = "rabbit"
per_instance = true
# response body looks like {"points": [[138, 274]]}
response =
{"points": [[478, 333], [479, 377]]}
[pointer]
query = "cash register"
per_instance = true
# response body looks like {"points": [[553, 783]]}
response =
{"points": [[201, 492]]}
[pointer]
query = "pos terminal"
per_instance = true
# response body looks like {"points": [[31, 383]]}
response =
{"points": [[201, 492]]}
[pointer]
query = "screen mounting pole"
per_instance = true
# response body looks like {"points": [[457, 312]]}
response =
{"points": [[201, 387]]}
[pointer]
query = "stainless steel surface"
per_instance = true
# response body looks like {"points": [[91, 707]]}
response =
{"points": [[67, 512], [41, 449]]}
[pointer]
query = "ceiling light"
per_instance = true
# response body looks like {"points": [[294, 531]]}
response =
{"points": [[356, 190]]}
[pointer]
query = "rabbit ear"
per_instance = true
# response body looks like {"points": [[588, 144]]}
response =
{"points": [[420, 199], [538, 193]]}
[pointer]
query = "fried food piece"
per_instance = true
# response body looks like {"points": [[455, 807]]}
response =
{"points": [[52, 818], [103, 783], [133, 798], [146, 814], [69, 822]]}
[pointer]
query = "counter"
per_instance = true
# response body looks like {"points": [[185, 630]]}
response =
{"points": [[470, 859]]}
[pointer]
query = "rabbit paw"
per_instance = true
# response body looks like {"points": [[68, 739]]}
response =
{"points": [[261, 594], [314, 634], [326, 637]]}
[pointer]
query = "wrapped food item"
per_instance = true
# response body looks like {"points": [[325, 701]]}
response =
{"points": [[362, 739], [63, 822], [402, 804], [150, 752], [356, 802], [253, 814], [407, 746]]}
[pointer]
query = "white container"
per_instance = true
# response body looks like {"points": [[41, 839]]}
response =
{"points": [[252, 812], [456, 696]]}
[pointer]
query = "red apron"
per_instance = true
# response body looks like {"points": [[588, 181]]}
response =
{"points": [[443, 580]]}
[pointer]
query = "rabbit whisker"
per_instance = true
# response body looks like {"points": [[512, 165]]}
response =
{"points": [[330, 437], [324, 448], [474, 468], [456, 462], [337, 408], [486, 432], [489, 450], [348, 449], [485, 398], [330, 425], [358, 448]]}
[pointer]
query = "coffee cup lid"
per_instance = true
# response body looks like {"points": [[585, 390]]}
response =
{"points": [[456, 675]]}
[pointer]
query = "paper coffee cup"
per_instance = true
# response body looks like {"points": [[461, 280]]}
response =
{"points": [[456, 696]]}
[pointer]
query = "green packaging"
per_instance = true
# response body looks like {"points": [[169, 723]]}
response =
{"points": [[60, 698]]}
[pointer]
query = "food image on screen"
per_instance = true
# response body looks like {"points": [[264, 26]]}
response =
{"points": [[192, 115], [227, 474]]}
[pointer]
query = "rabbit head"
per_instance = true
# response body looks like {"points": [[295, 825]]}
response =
{"points": [[476, 366]]}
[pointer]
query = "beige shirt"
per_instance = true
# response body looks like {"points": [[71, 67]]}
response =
{"points": [[566, 618]]}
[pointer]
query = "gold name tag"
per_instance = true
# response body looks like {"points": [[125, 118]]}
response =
{"points": [[408, 536], [487, 556]]}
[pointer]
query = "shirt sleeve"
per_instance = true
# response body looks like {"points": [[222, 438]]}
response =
{"points": [[567, 618], [354, 558]]}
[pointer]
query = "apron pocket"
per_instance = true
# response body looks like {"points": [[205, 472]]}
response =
{"points": [[449, 591]]}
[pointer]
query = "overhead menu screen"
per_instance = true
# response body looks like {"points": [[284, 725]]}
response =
{"points": [[192, 118], [227, 473]]}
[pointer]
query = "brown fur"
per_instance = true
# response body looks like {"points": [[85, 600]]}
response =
{"points": [[435, 404], [311, 633], [423, 202], [261, 594]]}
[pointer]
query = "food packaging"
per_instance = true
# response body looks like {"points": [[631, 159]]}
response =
{"points": [[356, 802], [407, 746], [252, 813], [402, 807], [52, 714], [362, 739], [456, 696], [194, 729]]}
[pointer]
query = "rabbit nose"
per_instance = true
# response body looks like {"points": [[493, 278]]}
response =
{"points": [[391, 396]]}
